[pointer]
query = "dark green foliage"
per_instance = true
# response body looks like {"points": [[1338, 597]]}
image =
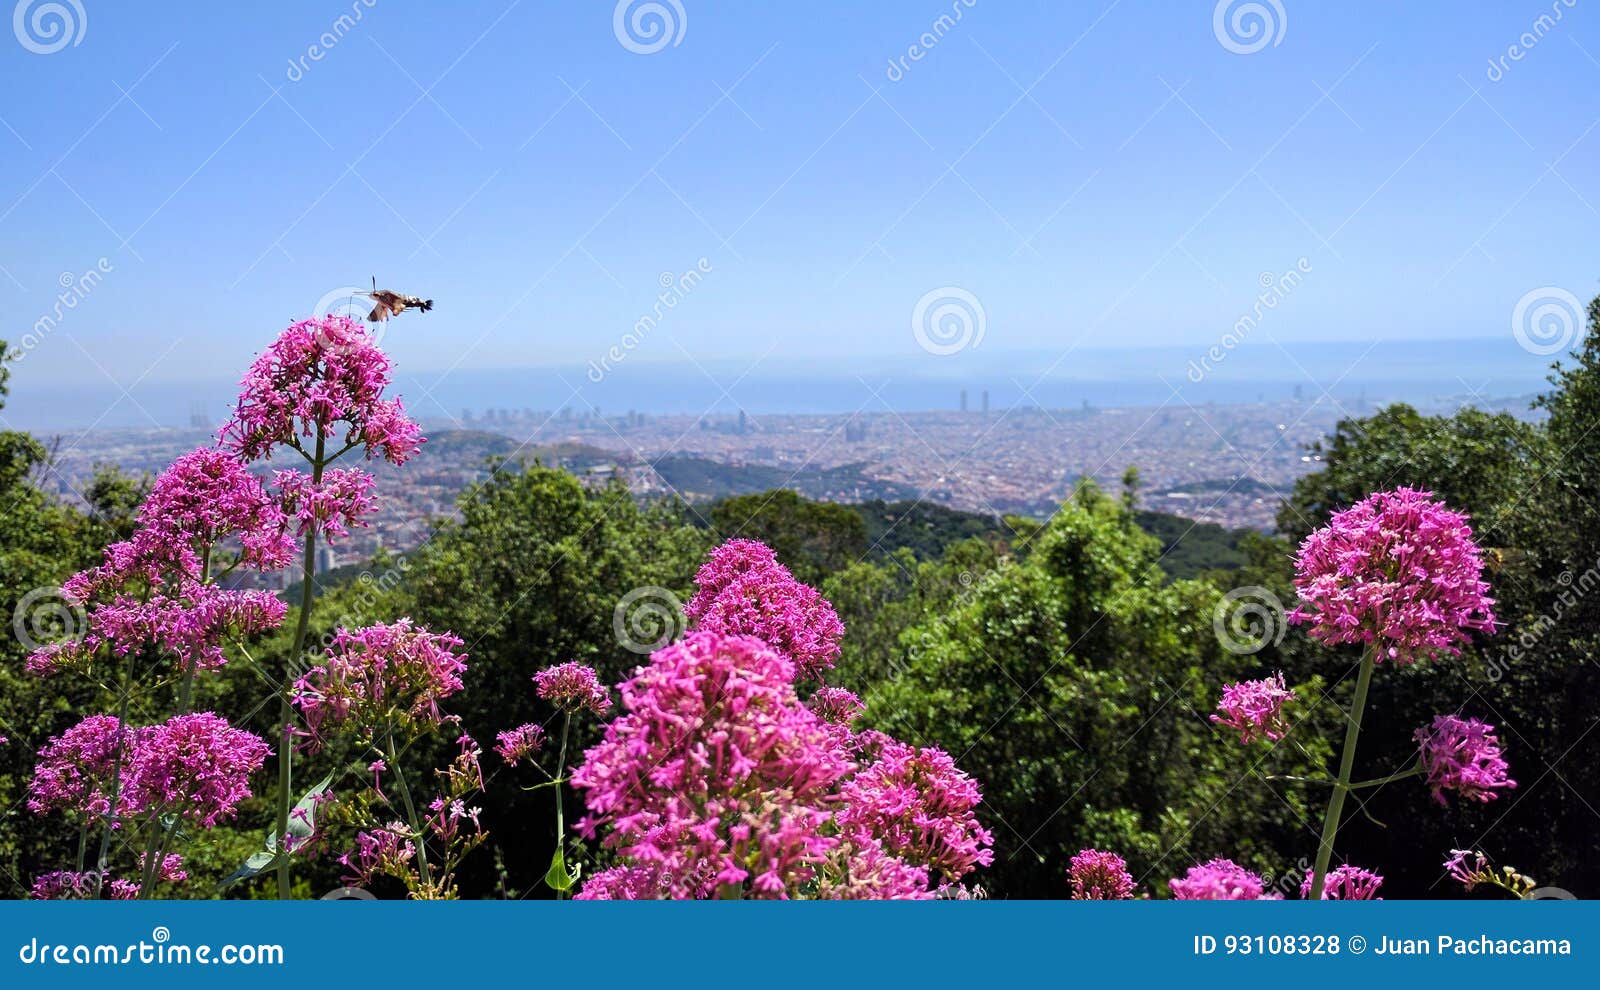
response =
{"points": [[813, 539]]}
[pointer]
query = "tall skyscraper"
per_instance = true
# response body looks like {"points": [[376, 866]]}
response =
{"points": [[985, 402], [963, 400]]}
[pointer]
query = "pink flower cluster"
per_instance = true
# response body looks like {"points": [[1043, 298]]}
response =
{"points": [[195, 766], [742, 590], [66, 885], [1346, 883], [1099, 876], [1463, 755], [572, 687], [206, 496], [1469, 868], [715, 760], [1219, 880], [329, 507], [1255, 708], [919, 806], [836, 706], [717, 777], [319, 374], [1396, 569], [519, 744], [380, 672]]}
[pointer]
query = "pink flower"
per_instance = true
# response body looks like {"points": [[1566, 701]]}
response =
{"points": [[715, 775], [1099, 876], [191, 626], [329, 507], [1463, 755], [77, 770], [867, 871], [521, 743], [620, 883], [1255, 709], [1218, 880], [836, 706], [1396, 569], [1346, 883], [919, 806], [572, 687], [195, 766], [206, 496], [380, 672], [742, 590], [1469, 868], [169, 870], [322, 374], [65, 885], [380, 852]]}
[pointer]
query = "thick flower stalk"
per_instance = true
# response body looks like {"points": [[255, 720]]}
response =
{"points": [[1099, 876], [742, 590], [1400, 574], [318, 391]]}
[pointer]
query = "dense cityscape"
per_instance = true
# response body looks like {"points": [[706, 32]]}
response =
{"points": [[1226, 464]]}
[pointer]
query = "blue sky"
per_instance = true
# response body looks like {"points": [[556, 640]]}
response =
{"points": [[1094, 174]]}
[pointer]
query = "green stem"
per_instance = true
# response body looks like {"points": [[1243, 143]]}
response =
{"points": [[561, 821], [411, 813], [1415, 771], [1347, 762], [116, 775], [285, 707], [152, 856]]}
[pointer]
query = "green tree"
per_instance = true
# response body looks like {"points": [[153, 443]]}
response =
{"points": [[813, 539], [1075, 686]]}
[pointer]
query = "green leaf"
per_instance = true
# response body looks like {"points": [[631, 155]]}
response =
{"points": [[557, 877], [302, 819], [255, 865]]}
